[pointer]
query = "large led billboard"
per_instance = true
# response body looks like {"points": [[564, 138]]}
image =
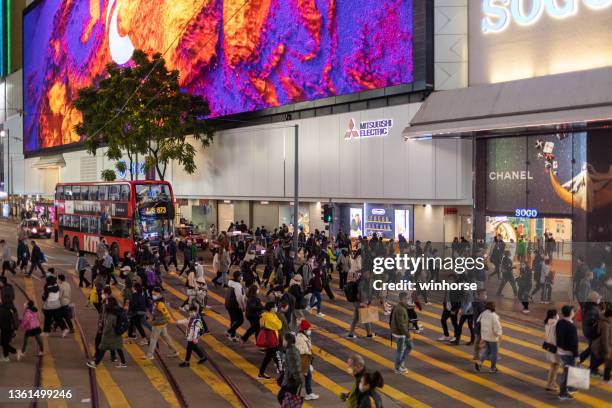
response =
{"points": [[241, 56]]}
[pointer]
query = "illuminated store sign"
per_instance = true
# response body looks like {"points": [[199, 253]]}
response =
{"points": [[370, 128], [498, 14]]}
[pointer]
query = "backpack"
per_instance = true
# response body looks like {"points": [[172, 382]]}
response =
{"points": [[121, 326], [351, 290], [230, 299]]}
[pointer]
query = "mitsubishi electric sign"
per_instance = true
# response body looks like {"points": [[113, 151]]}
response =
{"points": [[519, 39], [369, 128], [499, 14]]}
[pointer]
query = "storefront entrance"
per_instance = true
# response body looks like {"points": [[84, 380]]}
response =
{"points": [[547, 234]]}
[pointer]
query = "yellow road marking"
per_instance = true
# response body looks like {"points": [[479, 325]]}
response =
{"points": [[452, 350], [319, 378], [49, 377], [155, 376], [233, 357]]}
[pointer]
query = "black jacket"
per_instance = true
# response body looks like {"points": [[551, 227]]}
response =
{"points": [[7, 294], [567, 336], [37, 255], [590, 320]]}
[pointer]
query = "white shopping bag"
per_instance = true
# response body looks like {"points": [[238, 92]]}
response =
{"points": [[578, 378]]}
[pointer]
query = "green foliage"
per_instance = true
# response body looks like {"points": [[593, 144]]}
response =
{"points": [[153, 120], [121, 166], [108, 175]]}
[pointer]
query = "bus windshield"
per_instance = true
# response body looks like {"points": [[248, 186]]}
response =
{"points": [[146, 193]]}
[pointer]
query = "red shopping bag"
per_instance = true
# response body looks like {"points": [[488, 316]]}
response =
{"points": [[267, 339], [579, 315]]}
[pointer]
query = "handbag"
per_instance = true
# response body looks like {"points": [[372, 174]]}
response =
{"points": [[552, 348], [266, 339], [578, 378], [368, 314]]}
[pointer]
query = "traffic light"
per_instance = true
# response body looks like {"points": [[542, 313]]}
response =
{"points": [[327, 212]]}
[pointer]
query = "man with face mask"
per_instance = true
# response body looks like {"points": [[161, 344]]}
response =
{"points": [[304, 345], [160, 316]]}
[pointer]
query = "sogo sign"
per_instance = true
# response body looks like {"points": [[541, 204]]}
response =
{"points": [[498, 14]]}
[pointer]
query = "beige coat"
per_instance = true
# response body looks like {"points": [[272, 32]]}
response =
{"points": [[490, 327], [551, 337]]}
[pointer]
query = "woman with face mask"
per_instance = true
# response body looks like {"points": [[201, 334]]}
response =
{"points": [[368, 395], [550, 324], [304, 345], [292, 375]]}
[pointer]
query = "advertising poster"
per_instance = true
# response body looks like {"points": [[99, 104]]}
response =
{"points": [[379, 219], [356, 222], [537, 172], [402, 223]]}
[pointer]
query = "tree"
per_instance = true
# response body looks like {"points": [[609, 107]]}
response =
{"points": [[140, 109], [108, 175]]}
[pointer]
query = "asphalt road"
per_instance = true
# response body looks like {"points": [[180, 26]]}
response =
{"points": [[439, 374]]}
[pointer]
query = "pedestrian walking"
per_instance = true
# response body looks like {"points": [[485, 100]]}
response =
{"points": [[187, 256], [547, 279], [507, 274], [550, 345], [52, 307], [111, 336], [8, 327], [292, 375], [315, 288], [30, 324], [37, 259], [400, 332], [81, 267], [590, 329], [65, 301], [137, 313], [303, 342], [254, 309], [602, 346], [490, 332], [195, 328], [7, 293], [524, 286], [356, 368], [368, 390], [160, 316], [6, 259], [23, 254], [567, 347], [362, 299], [467, 315], [235, 305], [268, 339], [451, 304]]}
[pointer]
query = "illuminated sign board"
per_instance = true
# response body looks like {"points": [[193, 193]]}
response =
{"points": [[526, 212], [499, 14], [261, 55], [369, 128]]}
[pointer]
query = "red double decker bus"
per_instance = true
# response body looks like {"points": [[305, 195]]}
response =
{"points": [[122, 212]]}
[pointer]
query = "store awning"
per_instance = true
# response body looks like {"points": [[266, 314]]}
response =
{"points": [[50, 162], [556, 103]]}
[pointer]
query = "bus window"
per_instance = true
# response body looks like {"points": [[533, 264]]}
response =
{"points": [[67, 192], [76, 192], [103, 193], [113, 192], [84, 224], [94, 225], [60, 220], [75, 222], [84, 192], [59, 193], [120, 228], [125, 192], [93, 193]]}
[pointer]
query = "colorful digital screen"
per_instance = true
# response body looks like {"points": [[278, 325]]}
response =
{"points": [[239, 55]]}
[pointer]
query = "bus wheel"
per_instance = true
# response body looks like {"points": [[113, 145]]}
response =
{"points": [[75, 244], [67, 242]]}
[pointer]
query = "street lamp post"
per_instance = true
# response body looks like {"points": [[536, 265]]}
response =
{"points": [[5, 133], [296, 196]]}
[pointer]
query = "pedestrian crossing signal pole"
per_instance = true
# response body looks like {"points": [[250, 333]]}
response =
{"points": [[296, 184]]}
